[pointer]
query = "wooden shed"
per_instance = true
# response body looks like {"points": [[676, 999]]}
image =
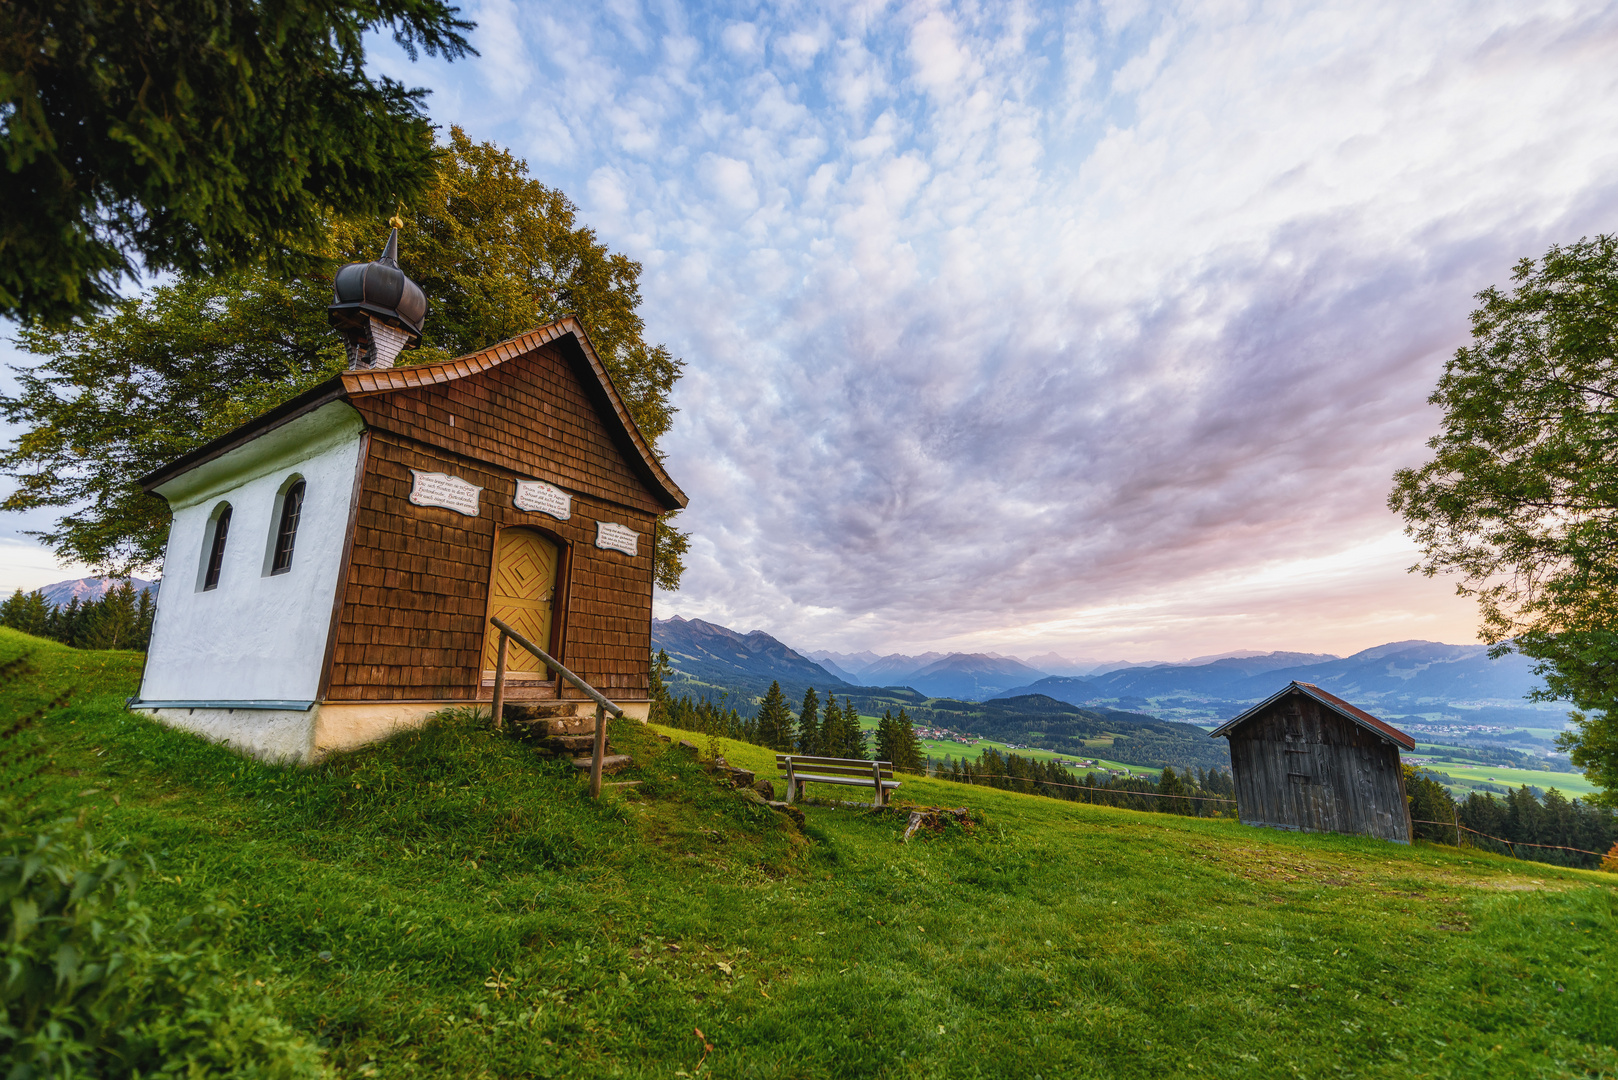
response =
{"points": [[333, 564], [1306, 759]]}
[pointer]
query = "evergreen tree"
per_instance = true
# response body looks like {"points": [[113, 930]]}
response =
{"points": [[661, 670], [887, 738], [909, 752], [851, 734], [809, 724], [775, 721]]}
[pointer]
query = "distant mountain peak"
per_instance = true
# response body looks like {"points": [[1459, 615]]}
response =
{"points": [[89, 589]]}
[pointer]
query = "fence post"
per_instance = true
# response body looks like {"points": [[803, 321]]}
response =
{"points": [[499, 705], [1456, 813], [600, 748]]}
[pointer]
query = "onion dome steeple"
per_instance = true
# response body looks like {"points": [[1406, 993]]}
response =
{"points": [[377, 309]]}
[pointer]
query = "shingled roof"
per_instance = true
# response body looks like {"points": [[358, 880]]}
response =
{"points": [[566, 332], [1332, 702]]}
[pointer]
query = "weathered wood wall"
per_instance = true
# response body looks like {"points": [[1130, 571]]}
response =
{"points": [[1299, 765], [414, 608]]}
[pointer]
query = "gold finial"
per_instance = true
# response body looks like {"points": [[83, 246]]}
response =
{"points": [[396, 222]]}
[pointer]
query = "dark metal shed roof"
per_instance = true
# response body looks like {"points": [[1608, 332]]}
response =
{"points": [[1332, 702]]}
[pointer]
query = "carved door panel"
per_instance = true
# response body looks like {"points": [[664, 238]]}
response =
{"points": [[522, 594]]}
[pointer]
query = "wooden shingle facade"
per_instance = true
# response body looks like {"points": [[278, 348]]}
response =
{"points": [[1306, 759], [405, 627]]}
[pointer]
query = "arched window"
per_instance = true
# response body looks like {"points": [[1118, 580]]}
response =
{"points": [[218, 530], [286, 532]]}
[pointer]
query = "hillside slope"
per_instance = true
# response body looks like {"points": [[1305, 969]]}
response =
{"points": [[448, 904], [711, 660]]}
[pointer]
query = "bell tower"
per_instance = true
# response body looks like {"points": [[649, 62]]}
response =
{"points": [[377, 309]]}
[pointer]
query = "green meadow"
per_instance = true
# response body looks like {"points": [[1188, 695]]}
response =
{"points": [[450, 904], [1572, 784], [939, 749]]}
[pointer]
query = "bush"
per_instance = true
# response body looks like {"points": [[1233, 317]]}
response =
{"points": [[90, 990]]}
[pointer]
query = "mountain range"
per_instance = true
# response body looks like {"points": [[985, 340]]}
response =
{"points": [[1413, 677], [1412, 681], [89, 589]]}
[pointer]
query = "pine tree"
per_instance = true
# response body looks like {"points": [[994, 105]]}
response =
{"points": [[661, 670], [809, 724], [774, 725], [111, 623], [887, 738], [853, 736], [909, 751]]}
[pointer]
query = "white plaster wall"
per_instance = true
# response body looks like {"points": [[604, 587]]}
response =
{"points": [[257, 637], [286, 735]]}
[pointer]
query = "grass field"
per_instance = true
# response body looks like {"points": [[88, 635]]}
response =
{"points": [[940, 749], [1571, 784], [448, 904]]}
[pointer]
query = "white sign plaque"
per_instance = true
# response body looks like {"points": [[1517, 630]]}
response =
{"points": [[543, 498], [442, 489], [616, 537]]}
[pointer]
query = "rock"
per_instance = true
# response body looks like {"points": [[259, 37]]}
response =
{"points": [[764, 788], [572, 744], [691, 746], [751, 796], [664, 737], [789, 810], [610, 763], [743, 778]]}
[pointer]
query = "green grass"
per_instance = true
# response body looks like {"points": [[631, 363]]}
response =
{"points": [[942, 748], [1571, 784], [483, 917]]}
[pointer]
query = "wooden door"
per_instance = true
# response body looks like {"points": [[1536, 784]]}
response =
{"points": [[522, 594]]}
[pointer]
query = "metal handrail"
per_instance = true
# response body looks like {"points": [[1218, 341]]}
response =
{"points": [[507, 635]]}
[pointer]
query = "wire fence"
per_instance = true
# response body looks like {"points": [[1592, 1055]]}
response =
{"points": [[1512, 844], [1001, 779]]}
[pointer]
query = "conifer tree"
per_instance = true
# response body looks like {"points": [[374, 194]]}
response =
{"points": [[775, 721], [809, 723], [853, 736], [887, 738], [908, 754], [661, 670]]}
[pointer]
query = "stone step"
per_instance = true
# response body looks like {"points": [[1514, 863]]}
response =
{"points": [[526, 712], [554, 727], [570, 744], [609, 763]]}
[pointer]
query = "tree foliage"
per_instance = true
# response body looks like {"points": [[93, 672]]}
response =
{"points": [[120, 619], [775, 727], [196, 136], [896, 741], [1520, 498], [809, 724], [119, 394]]}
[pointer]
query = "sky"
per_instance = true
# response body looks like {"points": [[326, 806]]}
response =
{"points": [[1094, 328]]}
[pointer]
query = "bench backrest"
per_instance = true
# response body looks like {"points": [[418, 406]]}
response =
{"points": [[831, 766]]}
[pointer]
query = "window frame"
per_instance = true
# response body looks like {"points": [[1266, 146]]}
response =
{"points": [[215, 540], [287, 519]]}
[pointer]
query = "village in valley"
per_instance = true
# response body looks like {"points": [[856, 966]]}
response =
{"points": [[736, 542]]}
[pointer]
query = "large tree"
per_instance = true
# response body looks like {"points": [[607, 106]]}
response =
{"points": [[195, 135], [118, 394], [1520, 498]]}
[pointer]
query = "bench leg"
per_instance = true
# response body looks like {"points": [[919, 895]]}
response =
{"points": [[790, 784], [876, 774]]}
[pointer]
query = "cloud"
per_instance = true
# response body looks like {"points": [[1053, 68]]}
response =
{"points": [[1063, 327]]}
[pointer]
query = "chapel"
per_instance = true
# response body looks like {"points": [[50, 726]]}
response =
{"points": [[333, 565]]}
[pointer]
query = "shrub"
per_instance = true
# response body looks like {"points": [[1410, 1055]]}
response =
{"points": [[87, 988]]}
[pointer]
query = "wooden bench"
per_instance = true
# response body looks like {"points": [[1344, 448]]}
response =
{"points": [[851, 772]]}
